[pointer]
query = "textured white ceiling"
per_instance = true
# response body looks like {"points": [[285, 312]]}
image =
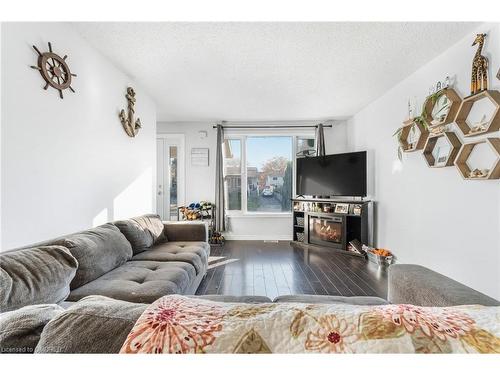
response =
{"points": [[268, 71]]}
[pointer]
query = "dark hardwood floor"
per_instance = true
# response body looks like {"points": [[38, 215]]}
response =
{"points": [[273, 269]]}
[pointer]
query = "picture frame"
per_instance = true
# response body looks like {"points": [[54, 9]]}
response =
{"points": [[441, 155], [356, 210], [441, 160], [199, 157], [342, 208]]}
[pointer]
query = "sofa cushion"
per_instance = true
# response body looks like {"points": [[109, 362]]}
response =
{"points": [[98, 250], [20, 329], [35, 276], [142, 231], [305, 298], [142, 282], [95, 324], [195, 253]]}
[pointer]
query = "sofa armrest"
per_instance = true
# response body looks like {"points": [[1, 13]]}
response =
{"points": [[186, 231], [417, 285]]}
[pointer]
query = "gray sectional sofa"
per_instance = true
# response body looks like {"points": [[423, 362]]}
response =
{"points": [[135, 260], [98, 324], [82, 293]]}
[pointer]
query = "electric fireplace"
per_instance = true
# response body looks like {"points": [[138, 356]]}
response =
{"points": [[327, 231]]}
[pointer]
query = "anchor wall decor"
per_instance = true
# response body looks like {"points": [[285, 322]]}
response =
{"points": [[130, 127]]}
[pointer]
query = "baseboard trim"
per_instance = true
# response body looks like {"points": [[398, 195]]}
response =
{"points": [[256, 237]]}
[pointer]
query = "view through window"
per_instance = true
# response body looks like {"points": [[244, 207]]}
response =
{"points": [[305, 147], [269, 171]]}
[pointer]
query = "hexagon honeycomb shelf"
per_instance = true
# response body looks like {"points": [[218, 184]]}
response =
{"points": [[454, 146], [487, 127], [447, 117], [467, 173], [406, 144]]}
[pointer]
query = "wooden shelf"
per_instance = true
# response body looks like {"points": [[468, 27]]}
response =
{"points": [[454, 144], [329, 200], [491, 126], [405, 132], [455, 100], [464, 154], [353, 226]]}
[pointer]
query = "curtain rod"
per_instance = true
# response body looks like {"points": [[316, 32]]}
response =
{"points": [[272, 127]]}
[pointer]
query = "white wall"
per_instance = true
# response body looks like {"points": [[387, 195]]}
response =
{"points": [[200, 181], [432, 216], [67, 164]]}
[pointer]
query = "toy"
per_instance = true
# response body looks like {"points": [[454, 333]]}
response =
{"points": [[217, 238], [197, 211]]}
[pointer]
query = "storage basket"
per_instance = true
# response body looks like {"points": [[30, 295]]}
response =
{"points": [[300, 221], [300, 236], [380, 259]]}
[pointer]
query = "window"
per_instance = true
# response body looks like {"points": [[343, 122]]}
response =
{"points": [[232, 173], [269, 171], [305, 147]]}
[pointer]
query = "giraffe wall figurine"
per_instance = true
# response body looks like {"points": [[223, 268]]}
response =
{"points": [[479, 80]]}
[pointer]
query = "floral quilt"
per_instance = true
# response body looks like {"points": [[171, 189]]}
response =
{"points": [[178, 324]]}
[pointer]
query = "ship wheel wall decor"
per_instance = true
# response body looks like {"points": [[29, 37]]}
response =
{"points": [[54, 70]]}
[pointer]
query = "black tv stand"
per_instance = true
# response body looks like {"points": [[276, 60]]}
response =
{"points": [[332, 223]]}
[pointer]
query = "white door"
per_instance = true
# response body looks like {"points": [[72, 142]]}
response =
{"points": [[170, 175]]}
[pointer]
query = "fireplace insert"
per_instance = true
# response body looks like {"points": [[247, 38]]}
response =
{"points": [[327, 231]]}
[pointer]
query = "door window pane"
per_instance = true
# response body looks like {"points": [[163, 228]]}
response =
{"points": [[269, 174], [232, 173], [173, 182]]}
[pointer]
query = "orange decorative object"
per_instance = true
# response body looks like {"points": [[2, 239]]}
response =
{"points": [[381, 252]]}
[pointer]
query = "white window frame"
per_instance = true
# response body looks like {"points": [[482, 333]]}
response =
{"points": [[242, 137]]}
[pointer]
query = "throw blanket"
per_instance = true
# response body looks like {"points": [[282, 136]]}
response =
{"points": [[178, 324]]}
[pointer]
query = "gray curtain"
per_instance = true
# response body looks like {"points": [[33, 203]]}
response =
{"points": [[320, 141], [220, 220]]}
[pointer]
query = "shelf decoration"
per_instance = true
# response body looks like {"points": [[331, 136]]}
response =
{"points": [[413, 135], [479, 81], [471, 173], [437, 159], [440, 110], [485, 125], [54, 70]]}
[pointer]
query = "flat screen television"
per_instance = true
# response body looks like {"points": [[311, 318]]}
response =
{"points": [[332, 175]]}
